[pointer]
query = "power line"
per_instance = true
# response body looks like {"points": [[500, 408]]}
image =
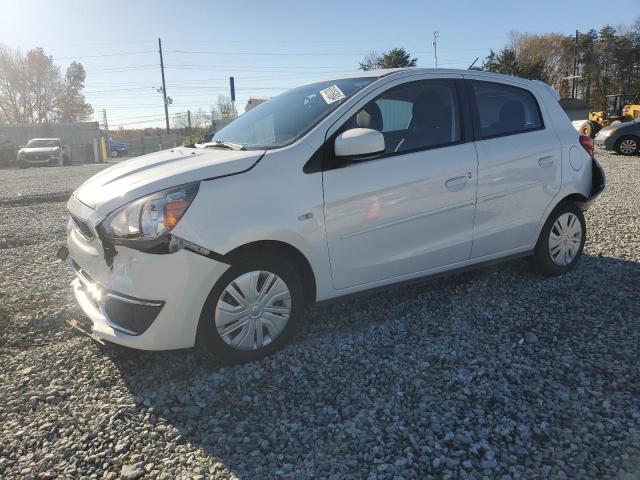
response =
{"points": [[294, 54], [106, 55]]}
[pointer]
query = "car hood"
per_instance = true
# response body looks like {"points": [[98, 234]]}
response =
{"points": [[39, 149], [131, 179], [622, 126]]}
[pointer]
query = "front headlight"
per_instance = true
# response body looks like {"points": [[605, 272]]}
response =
{"points": [[150, 217]]}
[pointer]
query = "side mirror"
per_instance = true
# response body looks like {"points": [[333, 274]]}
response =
{"points": [[359, 144]]}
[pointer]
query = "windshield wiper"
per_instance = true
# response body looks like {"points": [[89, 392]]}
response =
{"points": [[229, 145]]}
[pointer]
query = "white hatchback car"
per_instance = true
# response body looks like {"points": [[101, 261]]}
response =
{"points": [[329, 189]]}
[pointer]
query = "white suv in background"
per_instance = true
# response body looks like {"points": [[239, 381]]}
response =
{"points": [[326, 190]]}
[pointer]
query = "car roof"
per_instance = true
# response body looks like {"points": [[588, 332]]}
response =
{"points": [[413, 70]]}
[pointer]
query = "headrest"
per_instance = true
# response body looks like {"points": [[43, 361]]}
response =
{"points": [[370, 117], [428, 110]]}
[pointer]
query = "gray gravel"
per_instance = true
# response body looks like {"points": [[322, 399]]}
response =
{"points": [[494, 374], [35, 185]]}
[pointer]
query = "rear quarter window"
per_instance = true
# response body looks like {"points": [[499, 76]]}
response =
{"points": [[505, 110]]}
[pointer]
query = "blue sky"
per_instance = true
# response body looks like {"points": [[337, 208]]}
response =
{"points": [[268, 46]]}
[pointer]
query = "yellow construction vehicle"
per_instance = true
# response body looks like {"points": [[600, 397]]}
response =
{"points": [[619, 108]]}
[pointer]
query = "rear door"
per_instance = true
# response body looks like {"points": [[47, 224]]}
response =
{"points": [[519, 166], [411, 209]]}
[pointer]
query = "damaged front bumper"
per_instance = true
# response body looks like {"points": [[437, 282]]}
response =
{"points": [[122, 313], [142, 300]]}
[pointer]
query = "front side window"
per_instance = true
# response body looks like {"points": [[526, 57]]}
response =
{"points": [[287, 117], [505, 110], [413, 116]]}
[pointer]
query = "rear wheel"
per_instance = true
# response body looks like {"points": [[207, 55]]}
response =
{"points": [[114, 154], [561, 241], [627, 145], [253, 310]]}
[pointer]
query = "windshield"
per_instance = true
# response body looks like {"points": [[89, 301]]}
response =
{"points": [[287, 117], [39, 143]]}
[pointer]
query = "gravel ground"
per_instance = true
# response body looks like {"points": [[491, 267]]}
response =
{"points": [[493, 374], [38, 185]]}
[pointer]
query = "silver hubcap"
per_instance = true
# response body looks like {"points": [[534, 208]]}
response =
{"points": [[253, 310], [628, 146], [564, 239]]}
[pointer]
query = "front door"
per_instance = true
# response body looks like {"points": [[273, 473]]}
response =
{"points": [[411, 209]]}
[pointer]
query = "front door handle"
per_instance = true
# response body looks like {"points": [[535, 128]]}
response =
{"points": [[456, 184], [547, 161]]}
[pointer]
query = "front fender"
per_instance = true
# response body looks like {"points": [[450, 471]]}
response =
{"points": [[275, 201]]}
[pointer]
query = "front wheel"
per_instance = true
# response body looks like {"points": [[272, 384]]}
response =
{"points": [[561, 241], [627, 145], [590, 128], [253, 309]]}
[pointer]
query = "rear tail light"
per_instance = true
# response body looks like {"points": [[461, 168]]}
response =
{"points": [[587, 144]]}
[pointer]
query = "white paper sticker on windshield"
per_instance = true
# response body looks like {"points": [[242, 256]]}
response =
{"points": [[332, 94]]}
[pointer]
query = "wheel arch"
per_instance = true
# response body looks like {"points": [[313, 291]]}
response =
{"points": [[284, 250], [573, 197]]}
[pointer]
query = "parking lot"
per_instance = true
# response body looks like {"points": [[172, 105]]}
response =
{"points": [[497, 373]]}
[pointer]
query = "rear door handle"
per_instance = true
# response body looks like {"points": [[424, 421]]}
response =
{"points": [[547, 161], [457, 183]]}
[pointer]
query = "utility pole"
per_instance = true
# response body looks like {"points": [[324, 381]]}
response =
{"points": [[575, 67], [164, 87], [435, 46], [104, 120], [189, 124]]}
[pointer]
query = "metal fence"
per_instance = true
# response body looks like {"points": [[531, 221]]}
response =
{"points": [[152, 143], [81, 137]]}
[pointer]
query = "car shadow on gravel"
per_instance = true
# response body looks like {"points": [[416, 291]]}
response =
{"points": [[300, 409]]}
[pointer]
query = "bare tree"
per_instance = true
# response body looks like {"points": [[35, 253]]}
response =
{"points": [[608, 61], [225, 106], [32, 90], [199, 120], [370, 61]]}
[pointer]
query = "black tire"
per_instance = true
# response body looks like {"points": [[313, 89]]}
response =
{"points": [[590, 129], [209, 340], [114, 154], [628, 145], [542, 261]]}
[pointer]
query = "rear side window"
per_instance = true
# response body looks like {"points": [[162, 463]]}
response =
{"points": [[505, 110]]}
